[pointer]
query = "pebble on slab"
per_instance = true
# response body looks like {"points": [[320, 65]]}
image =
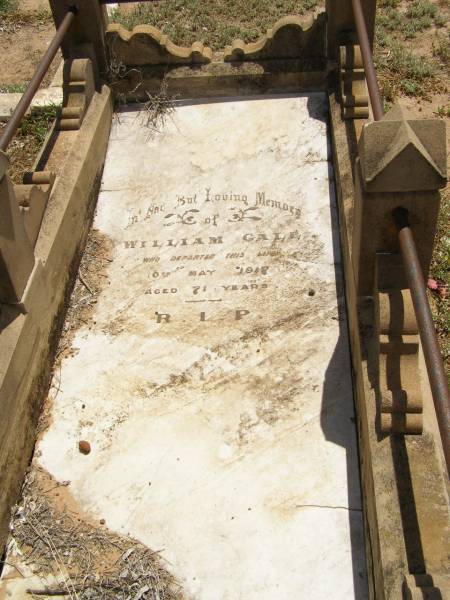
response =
{"points": [[84, 447]]}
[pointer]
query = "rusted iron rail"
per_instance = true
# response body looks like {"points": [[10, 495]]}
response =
{"points": [[416, 281], [41, 70], [432, 354], [369, 66]]}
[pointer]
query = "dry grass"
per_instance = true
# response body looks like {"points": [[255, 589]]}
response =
{"points": [[411, 48], [403, 73], [158, 108], [12, 18], [76, 559], [7, 6]]}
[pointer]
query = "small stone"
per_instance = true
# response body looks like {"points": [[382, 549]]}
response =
{"points": [[84, 447], [311, 292], [102, 521]]}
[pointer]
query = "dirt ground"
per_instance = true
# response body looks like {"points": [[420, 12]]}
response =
{"points": [[24, 37], [73, 556]]}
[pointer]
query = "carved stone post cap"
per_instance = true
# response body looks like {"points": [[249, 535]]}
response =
{"points": [[402, 154], [4, 164]]}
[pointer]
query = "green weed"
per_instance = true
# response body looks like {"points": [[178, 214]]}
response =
{"points": [[38, 124], [402, 72], [418, 16], [7, 6], [421, 8], [388, 3], [441, 49], [13, 88], [390, 20], [443, 112]]}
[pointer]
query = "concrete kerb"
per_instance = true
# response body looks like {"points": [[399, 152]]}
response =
{"points": [[29, 331], [407, 519]]}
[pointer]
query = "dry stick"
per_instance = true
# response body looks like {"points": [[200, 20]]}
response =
{"points": [[65, 592], [49, 592], [38, 528], [54, 551], [83, 281]]}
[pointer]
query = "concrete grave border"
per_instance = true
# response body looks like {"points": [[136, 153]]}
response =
{"points": [[30, 329], [405, 493]]}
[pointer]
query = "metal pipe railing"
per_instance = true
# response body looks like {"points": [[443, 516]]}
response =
{"points": [[431, 351], [369, 65], [433, 359], [41, 70]]}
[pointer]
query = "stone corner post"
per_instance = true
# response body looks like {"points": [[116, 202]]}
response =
{"points": [[402, 163], [341, 25], [86, 37]]}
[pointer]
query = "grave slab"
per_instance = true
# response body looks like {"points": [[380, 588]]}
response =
{"points": [[213, 382]]}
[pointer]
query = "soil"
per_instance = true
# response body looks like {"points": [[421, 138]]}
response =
{"points": [[33, 5], [24, 37], [72, 556], [90, 281]]}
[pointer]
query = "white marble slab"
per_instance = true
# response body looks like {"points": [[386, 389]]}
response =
{"points": [[215, 377]]}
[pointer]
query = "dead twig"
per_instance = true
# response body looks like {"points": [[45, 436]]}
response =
{"points": [[87, 561], [83, 281]]}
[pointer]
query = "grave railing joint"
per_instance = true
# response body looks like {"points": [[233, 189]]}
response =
{"points": [[401, 166]]}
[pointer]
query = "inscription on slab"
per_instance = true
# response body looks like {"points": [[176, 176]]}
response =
{"points": [[226, 250], [214, 380]]}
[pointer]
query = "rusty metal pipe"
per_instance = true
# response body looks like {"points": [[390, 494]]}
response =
{"points": [[432, 354], [369, 66], [41, 70]]}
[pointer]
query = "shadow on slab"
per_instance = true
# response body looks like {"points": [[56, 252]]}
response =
{"points": [[338, 422]]}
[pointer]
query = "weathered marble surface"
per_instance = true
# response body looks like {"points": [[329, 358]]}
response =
{"points": [[215, 377]]}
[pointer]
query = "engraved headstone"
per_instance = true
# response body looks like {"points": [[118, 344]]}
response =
{"points": [[215, 376]]}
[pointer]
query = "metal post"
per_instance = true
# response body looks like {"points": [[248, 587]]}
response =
{"points": [[369, 66], [432, 354], [24, 103]]}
